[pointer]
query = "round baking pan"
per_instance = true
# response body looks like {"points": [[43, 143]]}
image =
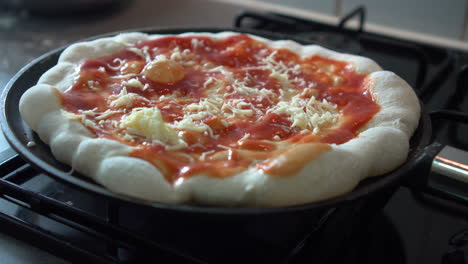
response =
{"points": [[19, 134]]}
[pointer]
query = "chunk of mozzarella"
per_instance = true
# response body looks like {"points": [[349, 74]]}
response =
{"points": [[148, 123]]}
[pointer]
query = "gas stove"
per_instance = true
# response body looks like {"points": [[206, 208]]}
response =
{"points": [[395, 226]]}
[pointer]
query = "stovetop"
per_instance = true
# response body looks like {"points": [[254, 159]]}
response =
{"points": [[79, 226]]}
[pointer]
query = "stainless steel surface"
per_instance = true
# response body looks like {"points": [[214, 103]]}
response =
{"points": [[453, 163]]}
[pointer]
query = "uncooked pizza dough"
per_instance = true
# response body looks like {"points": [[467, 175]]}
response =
{"points": [[223, 119]]}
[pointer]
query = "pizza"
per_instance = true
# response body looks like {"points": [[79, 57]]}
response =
{"points": [[224, 119]]}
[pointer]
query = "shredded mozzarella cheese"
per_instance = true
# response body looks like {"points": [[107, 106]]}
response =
{"points": [[308, 114], [134, 83]]}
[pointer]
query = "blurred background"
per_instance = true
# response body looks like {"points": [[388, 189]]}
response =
{"points": [[446, 19]]}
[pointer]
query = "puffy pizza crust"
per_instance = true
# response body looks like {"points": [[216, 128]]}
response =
{"points": [[381, 146]]}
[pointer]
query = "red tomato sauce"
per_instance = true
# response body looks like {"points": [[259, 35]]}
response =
{"points": [[336, 81]]}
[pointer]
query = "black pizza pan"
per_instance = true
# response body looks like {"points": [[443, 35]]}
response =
{"points": [[18, 134]]}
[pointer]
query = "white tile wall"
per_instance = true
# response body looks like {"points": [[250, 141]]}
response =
{"points": [[465, 33], [435, 17], [324, 6]]}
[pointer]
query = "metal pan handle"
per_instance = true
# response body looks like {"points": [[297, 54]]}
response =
{"points": [[444, 170], [453, 163]]}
